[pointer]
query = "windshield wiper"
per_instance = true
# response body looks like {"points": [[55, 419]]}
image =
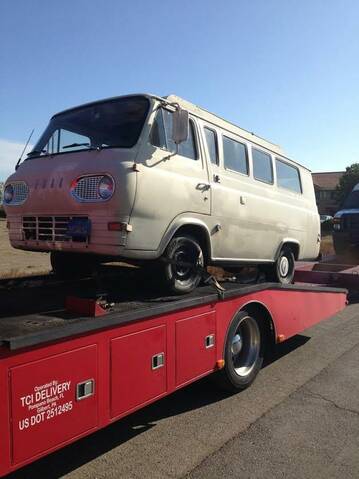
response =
{"points": [[36, 152], [72, 145]]}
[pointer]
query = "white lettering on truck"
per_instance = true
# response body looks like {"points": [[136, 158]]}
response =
{"points": [[46, 401]]}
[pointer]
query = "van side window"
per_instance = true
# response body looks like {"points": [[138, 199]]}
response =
{"points": [[212, 145], [235, 155], [161, 134], [288, 176], [186, 148], [262, 166], [157, 135]]}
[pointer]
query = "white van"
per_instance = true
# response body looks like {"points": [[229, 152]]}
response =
{"points": [[162, 181]]}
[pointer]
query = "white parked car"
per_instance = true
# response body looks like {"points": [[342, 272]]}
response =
{"points": [[161, 181]]}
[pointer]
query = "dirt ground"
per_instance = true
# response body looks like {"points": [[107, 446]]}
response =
{"points": [[15, 263]]}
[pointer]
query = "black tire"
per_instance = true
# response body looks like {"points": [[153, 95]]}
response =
{"points": [[243, 353], [182, 279], [71, 265], [282, 271]]}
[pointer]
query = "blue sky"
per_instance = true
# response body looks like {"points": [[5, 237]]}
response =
{"points": [[287, 70]]}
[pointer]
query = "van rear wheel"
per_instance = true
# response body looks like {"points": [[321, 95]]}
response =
{"points": [[183, 262], [282, 271], [71, 265]]}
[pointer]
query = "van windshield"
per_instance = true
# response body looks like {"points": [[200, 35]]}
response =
{"points": [[106, 124], [351, 201]]}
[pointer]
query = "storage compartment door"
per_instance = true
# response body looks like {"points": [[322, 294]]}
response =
{"points": [[53, 400], [138, 369], [195, 347]]}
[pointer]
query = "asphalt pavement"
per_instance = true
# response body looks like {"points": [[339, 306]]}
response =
{"points": [[300, 419]]}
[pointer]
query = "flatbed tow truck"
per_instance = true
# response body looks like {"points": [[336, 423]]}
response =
{"points": [[72, 362]]}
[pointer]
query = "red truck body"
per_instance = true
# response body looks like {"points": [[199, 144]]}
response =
{"points": [[64, 377]]}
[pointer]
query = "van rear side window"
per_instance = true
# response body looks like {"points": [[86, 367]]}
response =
{"points": [[235, 156], [288, 176], [262, 166]]}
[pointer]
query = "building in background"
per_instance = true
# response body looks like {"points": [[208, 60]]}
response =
{"points": [[325, 185]]}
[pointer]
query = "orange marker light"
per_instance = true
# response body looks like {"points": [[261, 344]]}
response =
{"points": [[220, 363]]}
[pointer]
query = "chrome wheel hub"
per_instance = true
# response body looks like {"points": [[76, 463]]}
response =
{"points": [[283, 266], [245, 347]]}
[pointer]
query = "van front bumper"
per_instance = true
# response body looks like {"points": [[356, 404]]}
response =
{"points": [[49, 233]]}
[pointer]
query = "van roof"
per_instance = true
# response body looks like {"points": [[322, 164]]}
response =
{"points": [[203, 114], [225, 124]]}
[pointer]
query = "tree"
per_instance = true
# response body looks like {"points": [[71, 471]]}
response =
{"points": [[347, 181], [1, 191]]}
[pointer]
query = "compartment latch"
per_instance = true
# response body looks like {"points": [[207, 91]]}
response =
{"points": [[158, 360], [85, 389]]}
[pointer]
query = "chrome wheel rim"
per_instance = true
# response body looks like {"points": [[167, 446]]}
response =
{"points": [[245, 346], [284, 266]]}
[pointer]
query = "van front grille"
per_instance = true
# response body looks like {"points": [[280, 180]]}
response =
{"points": [[46, 228], [86, 188], [21, 192]]}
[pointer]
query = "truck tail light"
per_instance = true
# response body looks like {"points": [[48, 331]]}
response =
{"points": [[337, 224]]}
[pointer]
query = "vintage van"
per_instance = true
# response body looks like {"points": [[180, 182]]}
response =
{"points": [[162, 181]]}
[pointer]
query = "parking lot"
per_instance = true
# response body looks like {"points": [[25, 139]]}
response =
{"points": [[299, 419], [16, 263]]}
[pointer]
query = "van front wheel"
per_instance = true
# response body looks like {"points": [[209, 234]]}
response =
{"points": [[282, 271], [183, 262]]}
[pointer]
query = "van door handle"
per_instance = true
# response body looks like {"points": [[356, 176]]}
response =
{"points": [[203, 186], [216, 178]]}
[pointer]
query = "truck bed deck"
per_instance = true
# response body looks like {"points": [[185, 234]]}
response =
{"points": [[46, 318]]}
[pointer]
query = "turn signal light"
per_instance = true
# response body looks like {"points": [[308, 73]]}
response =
{"points": [[118, 226], [115, 226]]}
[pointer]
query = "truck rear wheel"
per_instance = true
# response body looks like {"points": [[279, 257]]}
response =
{"points": [[71, 265], [243, 353], [182, 264]]}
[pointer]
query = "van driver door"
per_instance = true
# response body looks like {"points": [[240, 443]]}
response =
{"points": [[170, 184]]}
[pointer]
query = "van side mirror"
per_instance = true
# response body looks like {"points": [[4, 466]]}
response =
{"points": [[180, 125]]}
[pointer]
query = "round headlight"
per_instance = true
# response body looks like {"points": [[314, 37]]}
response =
{"points": [[106, 187], [8, 194]]}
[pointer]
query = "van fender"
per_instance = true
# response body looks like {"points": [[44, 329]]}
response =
{"points": [[178, 223], [286, 241]]}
